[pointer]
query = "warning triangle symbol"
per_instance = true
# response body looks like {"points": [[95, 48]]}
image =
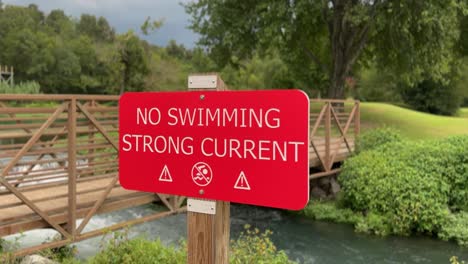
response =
{"points": [[165, 175], [242, 183]]}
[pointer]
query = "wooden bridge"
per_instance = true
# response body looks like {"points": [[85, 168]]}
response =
{"points": [[59, 162]]}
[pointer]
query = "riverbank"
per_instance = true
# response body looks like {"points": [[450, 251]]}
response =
{"points": [[396, 186], [303, 240]]}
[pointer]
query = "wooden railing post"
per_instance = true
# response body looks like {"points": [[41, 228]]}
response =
{"points": [[327, 136], [357, 119], [72, 167]]}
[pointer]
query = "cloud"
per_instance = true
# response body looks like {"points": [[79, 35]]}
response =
{"points": [[87, 3]]}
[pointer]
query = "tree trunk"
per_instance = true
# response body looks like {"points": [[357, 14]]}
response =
{"points": [[339, 48], [338, 80]]}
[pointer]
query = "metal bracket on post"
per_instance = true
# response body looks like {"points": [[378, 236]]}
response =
{"points": [[203, 81], [201, 206]]}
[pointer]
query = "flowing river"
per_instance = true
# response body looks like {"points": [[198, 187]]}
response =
{"points": [[304, 240]]}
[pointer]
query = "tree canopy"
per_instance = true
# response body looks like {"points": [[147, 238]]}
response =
{"points": [[67, 55], [325, 42]]}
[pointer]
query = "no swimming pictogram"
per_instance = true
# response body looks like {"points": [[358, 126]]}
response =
{"points": [[201, 174]]}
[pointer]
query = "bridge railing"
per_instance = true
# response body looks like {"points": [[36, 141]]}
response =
{"points": [[59, 163], [335, 124]]}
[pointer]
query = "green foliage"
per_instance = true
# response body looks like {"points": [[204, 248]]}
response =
{"points": [[252, 246], [21, 88], [324, 42], [375, 224], [59, 254], [408, 186], [372, 139], [455, 170], [124, 251], [456, 228], [6, 251], [65, 55], [330, 211], [454, 260], [434, 97], [264, 72], [377, 86]]}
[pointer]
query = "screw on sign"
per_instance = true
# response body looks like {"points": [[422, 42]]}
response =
{"points": [[202, 174]]}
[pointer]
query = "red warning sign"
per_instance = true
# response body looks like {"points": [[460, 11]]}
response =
{"points": [[247, 147]]}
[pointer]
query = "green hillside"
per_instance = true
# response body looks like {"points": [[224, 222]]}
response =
{"points": [[413, 124]]}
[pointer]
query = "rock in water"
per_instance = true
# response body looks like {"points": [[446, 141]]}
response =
{"points": [[36, 259], [335, 186], [317, 192]]}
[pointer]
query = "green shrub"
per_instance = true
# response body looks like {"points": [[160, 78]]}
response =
{"points": [[120, 249], [400, 183], [251, 247], [330, 211], [255, 247], [407, 186], [456, 170], [456, 229], [434, 97], [21, 88], [375, 224], [376, 138]]}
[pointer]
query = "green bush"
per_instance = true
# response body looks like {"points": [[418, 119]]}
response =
{"points": [[434, 97], [120, 249], [251, 247], [408, 198], [330, 211], [255, 247], [455, 170], [376, 138], [374, 224], [408, 186], [21, 88], [456, 229]]}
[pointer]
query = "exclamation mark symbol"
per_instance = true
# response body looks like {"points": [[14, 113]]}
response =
{"points": [[242, 183]]}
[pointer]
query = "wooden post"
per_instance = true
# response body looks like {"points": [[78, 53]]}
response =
{"points": [[12, 81], [327, 136], [208, 234], [357, 120], [72, 168]]}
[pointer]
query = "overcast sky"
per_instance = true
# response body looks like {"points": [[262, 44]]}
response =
{"points": [[128, 14]]}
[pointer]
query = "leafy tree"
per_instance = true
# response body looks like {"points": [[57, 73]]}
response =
{"points": [[59, 22], [134, 61], [88, 25], [106, 32], [177, 51], [29, 52], [324, 41]]}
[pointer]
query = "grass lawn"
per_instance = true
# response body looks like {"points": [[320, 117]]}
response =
{"points": [[413, 124], [463, 112]]}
